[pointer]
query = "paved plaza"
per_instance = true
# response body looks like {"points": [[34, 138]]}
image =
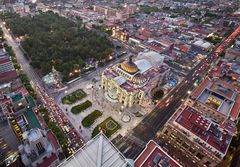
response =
{"points": [[124, 116]]}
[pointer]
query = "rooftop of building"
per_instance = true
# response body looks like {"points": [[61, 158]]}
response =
{"points": [[4, 60], [8, 76], [34, 134], [204, 129], [219, 95], [52, 138], [99, 151], [154, 155], [32, 119], [145, 70], [48, 161], [17, 97]]}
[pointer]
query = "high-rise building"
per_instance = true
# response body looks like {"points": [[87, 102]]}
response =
{"points": [[7, 155]]}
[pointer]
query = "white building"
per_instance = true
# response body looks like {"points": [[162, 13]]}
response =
{"points": [[39, 149], [98, 152]]}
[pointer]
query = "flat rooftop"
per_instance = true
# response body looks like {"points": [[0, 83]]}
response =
{"points": [[154, 155], [219, 95], [17, 97], [204, 129]]}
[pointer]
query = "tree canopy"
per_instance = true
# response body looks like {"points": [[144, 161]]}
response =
{"points": [[49, 39]]}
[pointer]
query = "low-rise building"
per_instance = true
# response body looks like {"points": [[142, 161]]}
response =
{"points": [[19, 103], [7, 70], [233, 54]]}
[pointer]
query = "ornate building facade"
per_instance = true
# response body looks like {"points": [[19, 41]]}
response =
{"points": [[130, 82]]}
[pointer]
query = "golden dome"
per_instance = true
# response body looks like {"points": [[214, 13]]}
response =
{"points": [[139, 78], [129, 66]]}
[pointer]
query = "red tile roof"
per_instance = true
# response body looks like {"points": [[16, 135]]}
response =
{"points": [[155, 48], [206, 130], [226, 85], [8, 76], [230, 127], [141, 37], [201, 87], [47, 162], [214, 88], [150, 152], [53, 139], [236, 108], [4, 100], [4, 60], [23, 91]]}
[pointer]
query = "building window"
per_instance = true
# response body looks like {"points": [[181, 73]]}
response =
{"points": [[40, 148], [185, 145]]}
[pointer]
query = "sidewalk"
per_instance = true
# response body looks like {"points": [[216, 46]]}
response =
{"points": [[99, 102]]}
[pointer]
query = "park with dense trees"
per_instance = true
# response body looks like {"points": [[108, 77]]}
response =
{"points": [[49, 39]]}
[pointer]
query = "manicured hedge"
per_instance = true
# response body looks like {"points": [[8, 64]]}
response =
{"points": [[108, 132], [81, 107], [89, 120]]}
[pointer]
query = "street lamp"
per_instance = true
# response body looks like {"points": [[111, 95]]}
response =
{"points": [[189, 92]]}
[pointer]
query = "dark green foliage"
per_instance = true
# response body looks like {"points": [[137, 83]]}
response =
{"points": [[108, 132], [214, 39], [56, 130], [158, 94], [148, 9], [89, 120], [27, 85], [54, 40], [81, 107]]}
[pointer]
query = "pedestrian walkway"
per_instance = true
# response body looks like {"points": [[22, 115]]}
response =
{"points": [[101, 103]]}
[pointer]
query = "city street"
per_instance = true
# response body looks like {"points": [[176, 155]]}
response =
{"points": [[154, 121], [75, 141]]}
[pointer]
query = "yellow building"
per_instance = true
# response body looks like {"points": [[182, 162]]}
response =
{"points": [[130, 82]]}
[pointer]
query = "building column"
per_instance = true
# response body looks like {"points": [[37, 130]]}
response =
{"points": [[121, 96], [126, 101], [131, 100]]}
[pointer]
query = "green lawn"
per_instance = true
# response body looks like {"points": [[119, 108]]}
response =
{"points": [[89, 120], [81, 107], [74, 97], [109, 126]]}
